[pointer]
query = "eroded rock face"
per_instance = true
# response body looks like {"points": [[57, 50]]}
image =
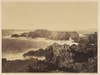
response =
{"points": [[74, 36], [59, 55], [53, 35], [15, 35]]}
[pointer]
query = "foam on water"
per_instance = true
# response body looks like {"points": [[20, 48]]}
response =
{"points": [[19, 55]]}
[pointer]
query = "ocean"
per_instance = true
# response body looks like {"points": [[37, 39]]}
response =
{"points": [[14, 48]]}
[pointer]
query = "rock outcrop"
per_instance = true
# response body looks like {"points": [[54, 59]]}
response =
{"points": [[53, 35]]}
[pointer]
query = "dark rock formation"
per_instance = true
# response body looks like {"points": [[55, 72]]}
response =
{"points": [[15, 35], [24, 35], [53, 35]]}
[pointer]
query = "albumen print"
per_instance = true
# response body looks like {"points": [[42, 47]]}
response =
{"points": [[49, 37]]}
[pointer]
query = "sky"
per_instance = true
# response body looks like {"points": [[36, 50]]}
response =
{"points": [[60, 16]]}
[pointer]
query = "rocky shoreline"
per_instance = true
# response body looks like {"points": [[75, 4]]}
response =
{"points": [[58, 58]]}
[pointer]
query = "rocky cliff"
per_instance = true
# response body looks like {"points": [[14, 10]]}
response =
{"points": [[53, 35]]}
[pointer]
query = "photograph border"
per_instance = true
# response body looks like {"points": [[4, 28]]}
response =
{"points": [[98, 1]]}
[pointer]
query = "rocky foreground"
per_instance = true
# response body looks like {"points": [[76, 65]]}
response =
{"points": [[58, 58]]}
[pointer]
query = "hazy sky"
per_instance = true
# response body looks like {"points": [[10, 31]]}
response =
{"points": [[52, 16]]}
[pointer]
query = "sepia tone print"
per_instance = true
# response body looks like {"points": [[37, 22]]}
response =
{"points": [[49, 37]]}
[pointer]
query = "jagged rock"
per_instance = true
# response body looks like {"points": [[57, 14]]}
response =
{"points": [[93, 38], [15, 35], [74, 36], [39, 33], [53, 35], [62, 57], [24, 35]]}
